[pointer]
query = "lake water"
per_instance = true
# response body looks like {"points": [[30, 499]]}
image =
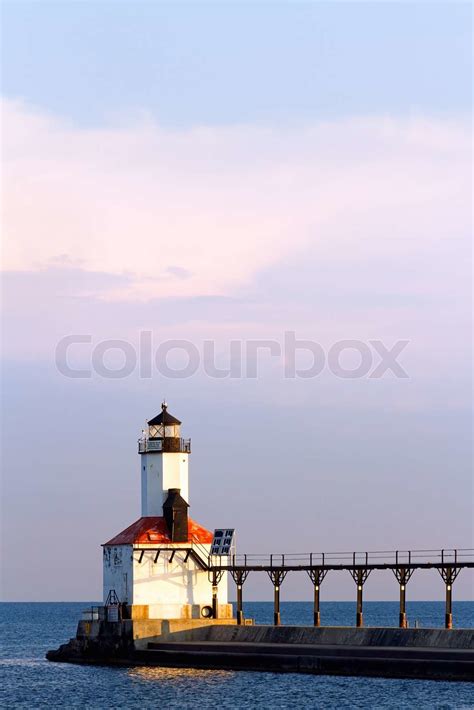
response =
{"points": [[29, 681]]}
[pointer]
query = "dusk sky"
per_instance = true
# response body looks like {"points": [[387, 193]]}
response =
{"points": [[228, 173]]}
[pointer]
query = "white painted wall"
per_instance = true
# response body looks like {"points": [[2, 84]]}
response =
{"points": [[118, 572], [159, 472], [164, 586]]}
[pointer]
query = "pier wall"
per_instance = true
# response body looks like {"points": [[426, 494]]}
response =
{"points": [[348, 636], [437, 654]]}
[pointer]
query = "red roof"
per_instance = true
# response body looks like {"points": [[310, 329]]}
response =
{"points": [[154, 530]]}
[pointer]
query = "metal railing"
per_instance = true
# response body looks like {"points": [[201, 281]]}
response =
{"points": [[94, 613], [377, 558], [167, 445], [202, 551]]}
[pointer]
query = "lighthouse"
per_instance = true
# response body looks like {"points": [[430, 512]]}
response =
{"points": [[157, 568]]}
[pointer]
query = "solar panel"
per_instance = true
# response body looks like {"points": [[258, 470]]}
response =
{"points": [[222, 541]]}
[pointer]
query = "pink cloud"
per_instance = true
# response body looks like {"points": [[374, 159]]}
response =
{"points": [[220, 204]]}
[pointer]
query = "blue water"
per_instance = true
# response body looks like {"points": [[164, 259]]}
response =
{"points": [[29, 681]]}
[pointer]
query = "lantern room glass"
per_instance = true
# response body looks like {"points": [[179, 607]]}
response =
{"points": [[160, 431]]}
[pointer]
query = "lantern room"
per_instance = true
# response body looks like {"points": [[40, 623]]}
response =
{"points": [[164, 425]]}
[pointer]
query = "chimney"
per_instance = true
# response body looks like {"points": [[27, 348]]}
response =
{"points": [[175, 513]]}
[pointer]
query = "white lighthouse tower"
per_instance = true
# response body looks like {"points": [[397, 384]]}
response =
{"points": [[164, 460], [157, 567]]}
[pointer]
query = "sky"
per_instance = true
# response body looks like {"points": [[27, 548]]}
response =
{"points": [[200, 179]]}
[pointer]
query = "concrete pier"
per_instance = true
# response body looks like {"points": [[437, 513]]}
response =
{"points": [[435, 654]]}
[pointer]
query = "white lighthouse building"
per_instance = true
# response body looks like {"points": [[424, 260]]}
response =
{"points": [[157, 567]]}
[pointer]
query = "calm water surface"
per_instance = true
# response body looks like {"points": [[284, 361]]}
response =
{"points": [[29, 681]]}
